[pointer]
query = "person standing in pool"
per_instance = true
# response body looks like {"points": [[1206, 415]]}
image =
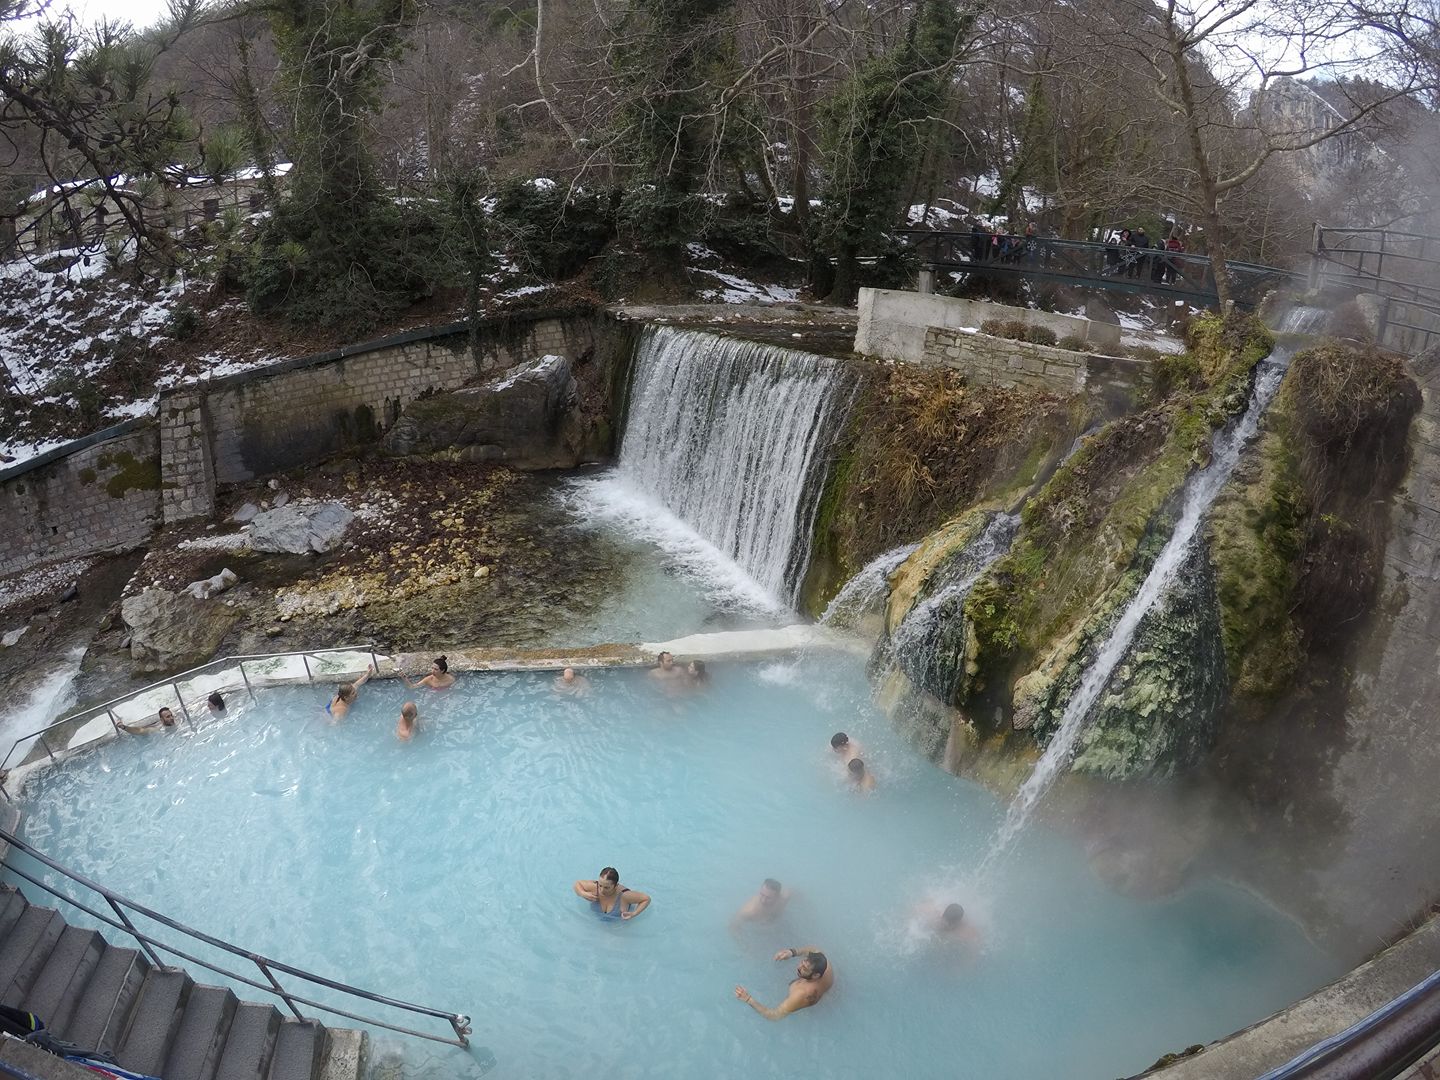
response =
{"points": [[439, 677], [409, 722], [815, 977], [844, 747], [665, 670], [164, 722], [571, 684], [765, 906], [345, 695], [216, 704], [861, 778], [609, 899]]}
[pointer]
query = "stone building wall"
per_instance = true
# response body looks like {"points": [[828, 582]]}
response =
{"points": [[95, 495], [297, 412], [992, 361]]}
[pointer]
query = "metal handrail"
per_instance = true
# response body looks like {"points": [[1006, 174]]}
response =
{"points": [[173, 681], [459, 1022]]}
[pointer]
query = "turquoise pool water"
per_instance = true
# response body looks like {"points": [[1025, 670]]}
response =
{"points": [[440, 871]]}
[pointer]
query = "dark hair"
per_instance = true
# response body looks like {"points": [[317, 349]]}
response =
{"points": [[610, 874], [856, 766], [838, 740], [663, 654], [442, 664], [953, 914], [166, 716], [772, 884], [217, 701], [818, 963], [699, 666]]}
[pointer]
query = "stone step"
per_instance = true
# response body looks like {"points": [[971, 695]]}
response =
{"points": [[195, 1053], [26, 948], [100, 1013], [57, 987], [299, 1048], [12, 904], [153, 1020], [250, 1043]]}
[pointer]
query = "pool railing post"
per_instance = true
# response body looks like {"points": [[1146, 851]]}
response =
{"points": [[46, 745], [260, 963], [181, 698], [145, 945], [115, 723], [246, 679], [461, 1024], [304, 659], [374, 660]]}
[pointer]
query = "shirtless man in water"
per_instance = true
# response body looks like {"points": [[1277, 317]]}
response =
{"points": [[814, 979], [765, 906], [844, 747], [568, 682], [665, 671]]}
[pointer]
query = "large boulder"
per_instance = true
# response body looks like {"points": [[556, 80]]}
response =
{"points": [[521, 419], [170, 632], [298, 530]]}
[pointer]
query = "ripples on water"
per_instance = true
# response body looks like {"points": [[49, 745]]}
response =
{"points": [[440, 872]]}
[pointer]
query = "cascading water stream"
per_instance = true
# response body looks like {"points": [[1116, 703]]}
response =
{"points": [[1200, 493], [865, 588], [731, 436]]}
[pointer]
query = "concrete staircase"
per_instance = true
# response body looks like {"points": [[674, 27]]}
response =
{"points": [[157, 1021]]}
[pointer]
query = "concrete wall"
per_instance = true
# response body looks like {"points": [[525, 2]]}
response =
{"points": [[298, 412], [95, 495], [893, 323], [991, 361]]}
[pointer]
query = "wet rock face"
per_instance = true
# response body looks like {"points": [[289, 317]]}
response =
{"points": [[523, 420], [299, 530], [1159, 713], [170, 632]]}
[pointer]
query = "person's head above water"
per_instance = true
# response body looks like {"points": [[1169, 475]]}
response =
{"points": [[665, 659], [839, 741], [568, 674], [410, 711], [857, 768], [345, 692], [769, 891], [812, 965], [216, 702], [697, 670], [167, 717], [440, 666], [952, 916], [609, 878]]}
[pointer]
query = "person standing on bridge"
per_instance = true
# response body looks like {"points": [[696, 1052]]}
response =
{"points": [[1139, 240], [1176, 246]]}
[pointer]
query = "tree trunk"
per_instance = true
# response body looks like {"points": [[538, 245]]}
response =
{"points": [[1204, 175]]}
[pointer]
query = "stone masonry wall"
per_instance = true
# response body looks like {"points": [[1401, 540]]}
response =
{"points": [[992, 361], [101, 496], [300, 411]]}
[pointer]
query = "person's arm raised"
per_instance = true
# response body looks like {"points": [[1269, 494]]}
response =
{"points": [[586, 890], [791, 1003], [640, 899]]}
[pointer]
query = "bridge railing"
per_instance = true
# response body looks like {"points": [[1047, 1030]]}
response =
{"points": [[1080, 262], [1401, 268]]}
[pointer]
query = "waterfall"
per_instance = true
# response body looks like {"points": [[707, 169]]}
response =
{"points": [[1303, 320], [1200, 492], [732, 437], [861, 592], [919, 644]]}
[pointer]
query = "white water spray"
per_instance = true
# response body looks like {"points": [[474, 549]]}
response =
{"points": [[52, 695], [732, 436], [861, 592], [1200, 492]]}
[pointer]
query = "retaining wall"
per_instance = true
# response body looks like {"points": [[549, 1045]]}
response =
{"points": [[893, 322], [992, 361], [97, 494]]}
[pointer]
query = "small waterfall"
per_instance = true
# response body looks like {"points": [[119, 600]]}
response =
{"points": [[860, 594], [52, 695], [1200, 492], [921, 645], [732, 436], [1303, 320]]}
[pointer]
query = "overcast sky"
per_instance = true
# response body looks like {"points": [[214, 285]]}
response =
{"points": [[139, 13]]}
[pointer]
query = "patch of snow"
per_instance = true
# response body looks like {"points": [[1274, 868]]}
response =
{"points": [[223, 542], [739, 291], [545, 363], [13, 453], [700, 251], [543, 183], [522, 290], [39, 580]]}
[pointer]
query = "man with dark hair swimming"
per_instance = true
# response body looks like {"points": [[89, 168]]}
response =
{"points": [[844, 746], [815, 977], [860, 777]]}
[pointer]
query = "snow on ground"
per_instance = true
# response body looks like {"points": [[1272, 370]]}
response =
{"points": [[737, 290], [940, 214], [29, 584]]}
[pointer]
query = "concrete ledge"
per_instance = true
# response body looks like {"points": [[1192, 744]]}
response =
{"points": [[1275, 1040]]}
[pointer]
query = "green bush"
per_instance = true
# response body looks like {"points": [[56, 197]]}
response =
{"points": [[548, 235], [1040, 335], [183, 323]]}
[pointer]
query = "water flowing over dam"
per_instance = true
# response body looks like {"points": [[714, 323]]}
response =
{"points": [[733, 437]]}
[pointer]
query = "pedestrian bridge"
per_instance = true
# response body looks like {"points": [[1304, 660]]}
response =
{"points": [[1151, 271]]}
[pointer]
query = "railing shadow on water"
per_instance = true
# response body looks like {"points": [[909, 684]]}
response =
{"points": [[122, 908]]}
